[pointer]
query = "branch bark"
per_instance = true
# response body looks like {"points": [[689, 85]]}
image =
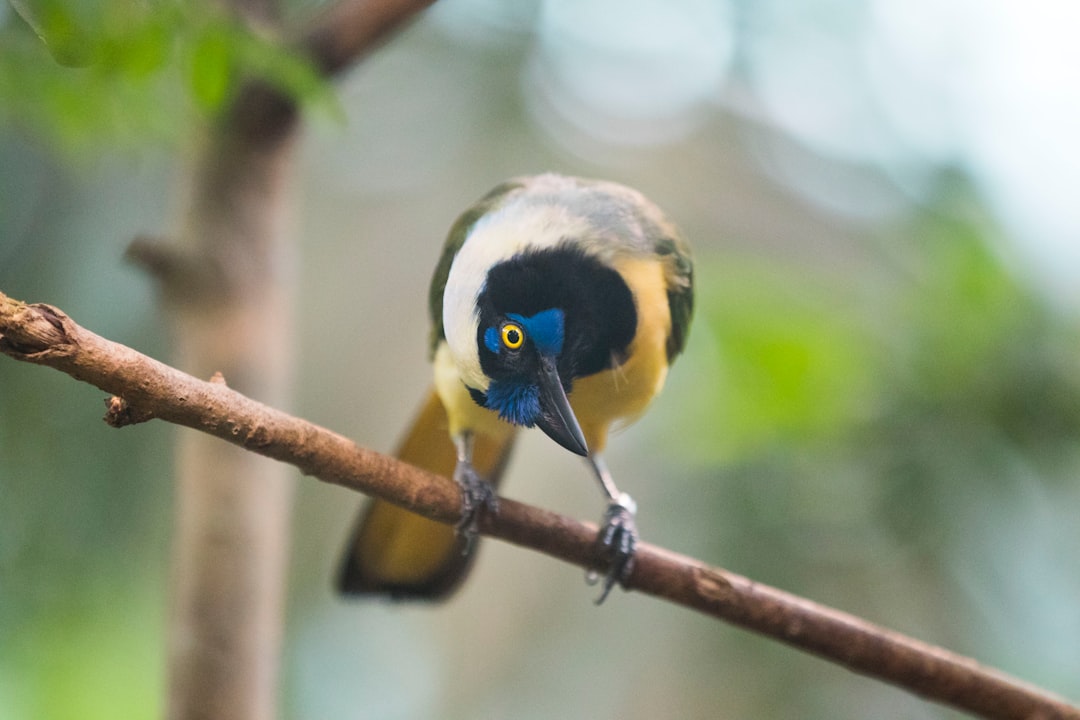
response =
{"points": [[348, 30], [337, 37], [44, 335]]}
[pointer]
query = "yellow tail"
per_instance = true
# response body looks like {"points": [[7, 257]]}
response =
{"points": [[401, 554]]}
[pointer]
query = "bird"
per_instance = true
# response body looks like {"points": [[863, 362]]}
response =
{"points": [[559, 303]]}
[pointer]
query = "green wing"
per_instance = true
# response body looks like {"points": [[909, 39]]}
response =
{"points": [[458, 232], [680, 289]]}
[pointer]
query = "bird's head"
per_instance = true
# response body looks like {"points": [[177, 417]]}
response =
{"points": [[545, 318], [522, 357]]}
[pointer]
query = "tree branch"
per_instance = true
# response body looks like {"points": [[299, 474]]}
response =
{"points": [[335, 38], [44, 335], [347, 30]]}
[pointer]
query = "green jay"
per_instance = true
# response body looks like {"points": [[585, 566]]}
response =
{"points": [[557, 303]]}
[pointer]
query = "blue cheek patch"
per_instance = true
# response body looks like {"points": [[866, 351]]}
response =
{"points": [[516, 403], [491, 340], [545, 329]]}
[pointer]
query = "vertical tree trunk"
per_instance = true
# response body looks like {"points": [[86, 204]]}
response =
{"points": [[228, 299], [227, 289]]}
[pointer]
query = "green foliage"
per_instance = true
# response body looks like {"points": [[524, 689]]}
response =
{"points": [[942, 332], [52, 659], [896, 395], [794, 363], [963, 310], [210, 68], [898, 439], [82, 75]]}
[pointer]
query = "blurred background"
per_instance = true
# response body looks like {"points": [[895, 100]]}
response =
{"points": [[878, 409]]}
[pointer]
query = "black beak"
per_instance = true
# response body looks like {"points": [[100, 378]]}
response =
{"points": [[556, 416]]}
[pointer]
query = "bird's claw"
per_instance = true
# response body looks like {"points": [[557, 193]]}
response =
{"points": [[618, 541], [476, 495]]}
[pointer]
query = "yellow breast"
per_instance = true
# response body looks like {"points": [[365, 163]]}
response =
{"points": [[621, 394]]}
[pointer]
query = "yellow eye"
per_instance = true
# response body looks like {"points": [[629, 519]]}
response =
{"points": [[512, 336]]}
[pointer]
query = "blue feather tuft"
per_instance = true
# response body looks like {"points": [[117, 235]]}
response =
{"points": [[545, 329], [516, 403], [491, 339]]}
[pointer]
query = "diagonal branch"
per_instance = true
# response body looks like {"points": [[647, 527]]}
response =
{"points": [[347, 30], [340, 35], [44, 335]]}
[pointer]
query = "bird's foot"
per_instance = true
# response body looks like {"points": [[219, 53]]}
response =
{"points": [[618, 540], [476, 495]]}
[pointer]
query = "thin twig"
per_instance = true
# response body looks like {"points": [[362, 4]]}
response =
{"points": [[44, 335]]}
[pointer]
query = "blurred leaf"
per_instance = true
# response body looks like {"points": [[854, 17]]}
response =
{"points": [[146, 68], [211, 67], [56, 658], [291, 73], [963, 309], [794, 362], [62, 27], [140, 49]]}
